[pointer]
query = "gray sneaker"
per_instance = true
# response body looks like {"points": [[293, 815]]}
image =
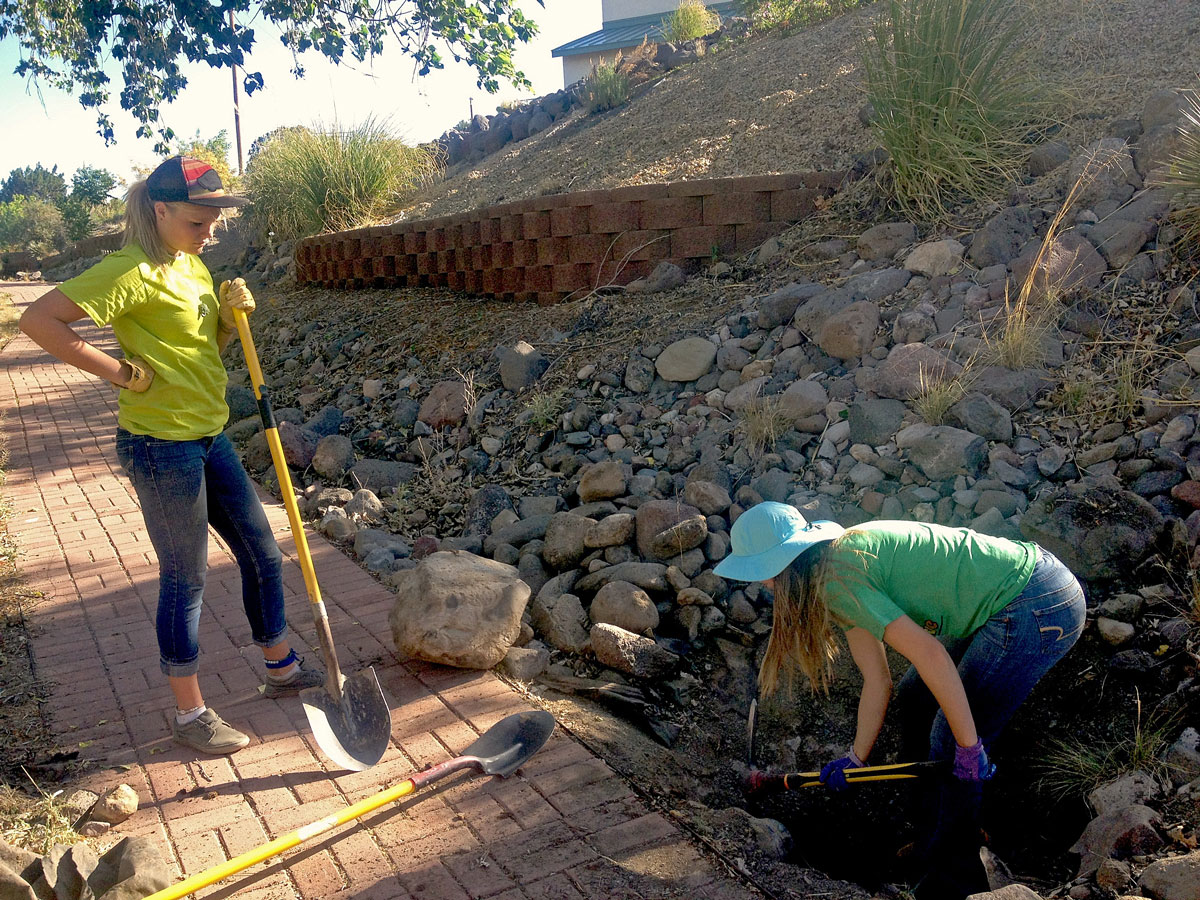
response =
{"points": [[302, 678], [209, 733]]}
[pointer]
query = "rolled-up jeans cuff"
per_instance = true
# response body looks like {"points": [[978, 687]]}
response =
{"points": [[179, 670], [272, 641]]}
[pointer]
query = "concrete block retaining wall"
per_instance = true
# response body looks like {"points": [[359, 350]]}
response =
{"points": [[544, 249]]}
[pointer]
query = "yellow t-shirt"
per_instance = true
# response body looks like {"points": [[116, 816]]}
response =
{"points": [[167, 315]]}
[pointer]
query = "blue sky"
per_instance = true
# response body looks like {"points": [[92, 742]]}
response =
{"points": [[55, 130]]}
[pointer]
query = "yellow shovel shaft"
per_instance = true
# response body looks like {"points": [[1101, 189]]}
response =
{"points": [[281, 468], [263, 852], [788, 785], [853, 773]]}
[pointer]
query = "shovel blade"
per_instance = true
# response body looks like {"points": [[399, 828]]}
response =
{"points": [[508, 744], [353, 731]]}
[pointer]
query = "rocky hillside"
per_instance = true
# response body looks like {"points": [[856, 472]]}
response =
{"points": [[603, 448]]}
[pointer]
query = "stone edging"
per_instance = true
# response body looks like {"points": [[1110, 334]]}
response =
{"points": [[546, 248]]}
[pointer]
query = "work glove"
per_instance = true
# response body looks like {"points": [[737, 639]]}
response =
{"points": [[833, 776], [234, 295], [971, 764], [141, 376]]}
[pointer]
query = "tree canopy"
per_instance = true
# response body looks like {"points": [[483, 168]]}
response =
{"points": [[91, 185], [66, 44], [34, 181]]}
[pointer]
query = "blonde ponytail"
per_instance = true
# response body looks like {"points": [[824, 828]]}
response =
{"points": [[141, 225]]}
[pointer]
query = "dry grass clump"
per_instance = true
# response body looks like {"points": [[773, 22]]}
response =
{"points": [[955, 98], [764, 421], [690, 20], [1183, 178], [937, 393], [1076, 766], [308, 181], [606, 88], [544, 408], [36, 824]]}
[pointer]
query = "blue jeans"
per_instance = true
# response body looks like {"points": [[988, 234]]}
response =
{"points": [[999, 665], [183, 487], [1001, 662]]}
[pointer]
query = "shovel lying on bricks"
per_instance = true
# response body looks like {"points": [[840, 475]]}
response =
{"points": [[349, 716], [500, 750], [760, 782]]}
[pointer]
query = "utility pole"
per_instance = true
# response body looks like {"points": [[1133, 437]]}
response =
{"points": [[237, 116]]}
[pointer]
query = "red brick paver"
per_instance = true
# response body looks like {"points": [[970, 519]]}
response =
{"points": [[564, 826]]}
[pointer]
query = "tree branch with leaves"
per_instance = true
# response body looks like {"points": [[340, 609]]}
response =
{"points": [[66, 44]]}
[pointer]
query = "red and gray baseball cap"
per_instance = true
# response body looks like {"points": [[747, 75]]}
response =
{"points": [[182, 179]]}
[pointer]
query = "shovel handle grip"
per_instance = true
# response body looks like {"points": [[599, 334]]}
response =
{"points": [[757, 781], [265, 412]]}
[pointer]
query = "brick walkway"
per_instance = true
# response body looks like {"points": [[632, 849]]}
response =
{"points": [[566, 826]]}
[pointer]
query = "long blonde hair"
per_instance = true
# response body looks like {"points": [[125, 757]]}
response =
{"points": [[802, 633], [141, 225]]}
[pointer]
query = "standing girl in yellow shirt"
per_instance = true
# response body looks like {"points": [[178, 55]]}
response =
{"points": [[171, 326]]}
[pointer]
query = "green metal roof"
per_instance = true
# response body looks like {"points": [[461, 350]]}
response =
{"points": [[626, 33]]}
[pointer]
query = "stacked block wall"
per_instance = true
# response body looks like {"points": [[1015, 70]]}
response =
{"points": [[547, 248]]}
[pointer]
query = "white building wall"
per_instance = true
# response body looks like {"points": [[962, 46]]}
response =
{"points": [[576, 68], [611, 10]]}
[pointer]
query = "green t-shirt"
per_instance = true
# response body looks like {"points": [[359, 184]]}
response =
{"points": [[948, 580], [167, 315]]}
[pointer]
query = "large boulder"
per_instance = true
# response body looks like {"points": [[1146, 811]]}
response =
{"points": [[566, 540], [1001, 237], [885, 240], [649, 576], [334, 455], [458, 609], [1175, 878], [660, 516], [941, 451], [379, 475], [602, 481], [558, 615], [624, 605], [686, 360], [850, 333], [521, 365], [1098, 532], [445, 405], [908, 369], [1069, 264], [631, 653], [1103, 171], [1117, 835]]}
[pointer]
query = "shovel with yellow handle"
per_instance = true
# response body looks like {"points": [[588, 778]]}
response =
{"points": [[349, 715]]}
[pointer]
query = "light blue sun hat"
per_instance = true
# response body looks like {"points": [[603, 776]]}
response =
{"points": [[767, 537]]}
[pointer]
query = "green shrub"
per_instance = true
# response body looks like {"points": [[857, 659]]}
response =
{"points": [[786, 15], [1183, 178], [77, 218], [691, 20], [27, 223], [954, 99], [309, 181], [605, 88]]}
